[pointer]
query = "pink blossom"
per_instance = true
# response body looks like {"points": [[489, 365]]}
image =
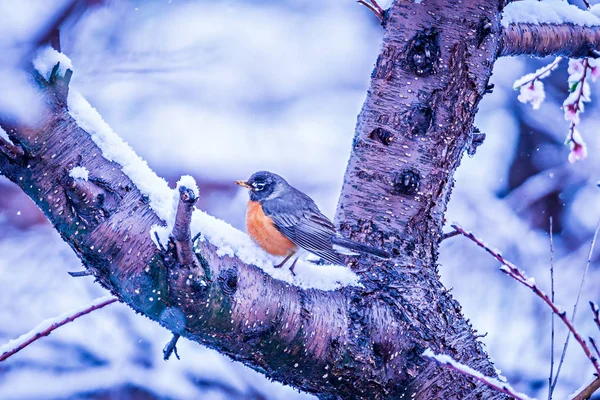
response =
{"points": [[571, 113], [576, 69], [578, 147], [533, 93], [594, 65]]}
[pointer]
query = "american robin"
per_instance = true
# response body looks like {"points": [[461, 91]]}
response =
{"points": [[283, 220]]}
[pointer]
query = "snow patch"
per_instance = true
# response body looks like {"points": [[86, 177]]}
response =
{"points": [[46, 58], [79, 173], [548, 12], [163, 200], [445, 359]]}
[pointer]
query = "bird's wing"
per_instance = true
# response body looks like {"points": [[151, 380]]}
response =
{"points": [[300, 220]]}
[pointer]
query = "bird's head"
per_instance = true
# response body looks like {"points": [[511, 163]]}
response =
{"points": [[264, 185]]}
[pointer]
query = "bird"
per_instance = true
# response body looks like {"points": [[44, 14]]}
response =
{"points": [[282, 220]]}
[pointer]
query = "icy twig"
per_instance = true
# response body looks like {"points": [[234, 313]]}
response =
{"points": [[79, 274], [518, 275], [49, 325], [550, 388], [466, 370], [587, 266]]}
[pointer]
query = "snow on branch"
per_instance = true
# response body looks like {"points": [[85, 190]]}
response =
{"points": [[553, 12], [511, 270], [550, 27], [163, 201], [47, 326], [494, 383]]}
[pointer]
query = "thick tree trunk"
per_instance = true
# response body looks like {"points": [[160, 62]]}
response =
{"points": [[436, 59], [411, 133]]}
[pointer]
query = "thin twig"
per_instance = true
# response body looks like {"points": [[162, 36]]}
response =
{"points": [[79, 274], [550, 389], [593, 343], [518, 275], [44, 329], [448, 235], [171, 348], [587, 266], [466, 370], [375, 9], [596, 312]]}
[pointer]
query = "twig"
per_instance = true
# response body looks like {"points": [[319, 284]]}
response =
{"points": [[159, 243], [512, 271], [466, 370], [596, 312], [181, 234], [541, 73], [374, 7], [587, 266], [448, 235], [79, 274], [593, 343], [47, 326], [550, 388], [587, 391], [171, 348]]}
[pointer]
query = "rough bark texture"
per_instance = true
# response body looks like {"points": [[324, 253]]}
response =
{"points": [[416, 122], [549, 40], [412, 131]]}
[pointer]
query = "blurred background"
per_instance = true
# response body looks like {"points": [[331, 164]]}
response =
{"points": [[221, 89]]}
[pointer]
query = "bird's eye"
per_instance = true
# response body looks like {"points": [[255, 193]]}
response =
{"points": [[258, 185]]}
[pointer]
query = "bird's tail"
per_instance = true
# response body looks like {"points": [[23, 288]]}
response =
{"points": [[356, 246]]}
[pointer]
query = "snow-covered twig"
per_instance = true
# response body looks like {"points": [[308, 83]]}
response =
{"points": [[511, 270], [466, 370], [587, 266], [531, 87], [586, 391], [550, 388], [46, 327]]}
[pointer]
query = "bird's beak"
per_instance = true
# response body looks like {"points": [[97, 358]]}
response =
{"points": [[243, 184]]}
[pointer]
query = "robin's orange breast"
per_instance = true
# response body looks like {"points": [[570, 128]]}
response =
{"points": [[263, 231]]}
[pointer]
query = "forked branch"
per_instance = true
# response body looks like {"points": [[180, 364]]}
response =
{"points": [[515, 273]]}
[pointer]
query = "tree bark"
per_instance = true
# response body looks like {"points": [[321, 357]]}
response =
{"points": [[434, 67], [543, 40]]}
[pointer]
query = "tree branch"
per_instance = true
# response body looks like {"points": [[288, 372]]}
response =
{"points": [[588, 391], [541, 40], [355, 342], [48, 326], [518, 275], [182, 236]]}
